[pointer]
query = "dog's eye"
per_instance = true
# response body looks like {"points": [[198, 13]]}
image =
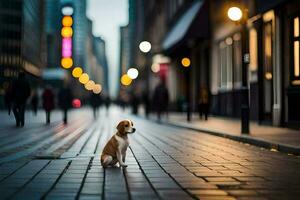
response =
{"points": [[126, 125]]}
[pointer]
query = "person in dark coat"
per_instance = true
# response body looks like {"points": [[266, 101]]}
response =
{"points": [[34, 102], [203, 103], [134, 103], [20, 94], [161, 99], [48, 102], [65, 98], [95, 101]]}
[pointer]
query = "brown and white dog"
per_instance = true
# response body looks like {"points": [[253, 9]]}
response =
{"points": [[115, 150]]}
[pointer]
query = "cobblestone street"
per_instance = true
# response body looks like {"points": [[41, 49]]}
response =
{"points": [[164, 162]]}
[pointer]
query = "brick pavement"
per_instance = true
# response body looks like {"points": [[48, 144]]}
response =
{"points": [[164, 162]]}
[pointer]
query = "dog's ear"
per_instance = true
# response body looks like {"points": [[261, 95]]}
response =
{"points": [[121, 127]]}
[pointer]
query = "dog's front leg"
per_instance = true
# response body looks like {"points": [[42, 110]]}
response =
{"points": [[123, 156], [120, 160]]}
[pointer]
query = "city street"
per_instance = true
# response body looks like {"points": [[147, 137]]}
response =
{"points": [[63, 162]]}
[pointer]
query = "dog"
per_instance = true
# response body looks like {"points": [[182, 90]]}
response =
{"points": [[115, 150]]}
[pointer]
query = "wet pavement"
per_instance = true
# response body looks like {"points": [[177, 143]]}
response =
{"points": [[164, 162]]}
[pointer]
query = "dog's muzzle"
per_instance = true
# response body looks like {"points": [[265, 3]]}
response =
{"points": [[133, 130]]}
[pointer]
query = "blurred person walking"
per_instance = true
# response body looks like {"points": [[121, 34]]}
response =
{"points": [[48, 102], [203, 103], [134, 103], [20, 94], [65, 98], [34, 101], [95, 101], [161, 99]]}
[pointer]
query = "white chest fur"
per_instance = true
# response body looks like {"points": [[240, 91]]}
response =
{"points": [[123, 143]]}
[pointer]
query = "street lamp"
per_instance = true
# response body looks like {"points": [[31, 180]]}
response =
{"points": [[235, 13], [186, 63], [145, 47], [133, 73], [240, 16]]}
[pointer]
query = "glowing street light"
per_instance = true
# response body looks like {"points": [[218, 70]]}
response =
{"points": [[126, 80], [89, 85], [241, 16], [97, 88], [66, 63], [186, 62], [133, 73], [67, 10], [235, 14], [66, 32], [155, 67], [145, 46], [84, 78], [76, 72], [67, 21]]}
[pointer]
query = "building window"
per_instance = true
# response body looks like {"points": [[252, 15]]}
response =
{"points": [[230, 62], [295, 70], [253, 54]]}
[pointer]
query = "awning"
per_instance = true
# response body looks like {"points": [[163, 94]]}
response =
{"points": [[184, 28]]}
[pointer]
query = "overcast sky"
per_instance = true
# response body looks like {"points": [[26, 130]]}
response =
{"points": [[108, 16]]}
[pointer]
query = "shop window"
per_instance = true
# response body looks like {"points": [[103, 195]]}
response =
{"points": [[230, 62], [237, 51], [295, 70], [253, 55]]}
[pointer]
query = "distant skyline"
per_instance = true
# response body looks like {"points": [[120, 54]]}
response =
{"points": [[108, 16]]}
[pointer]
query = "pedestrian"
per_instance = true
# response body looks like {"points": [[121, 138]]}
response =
{"points": [[134, 103], [48, 102], [20, 94], [146, 104], [161, 99], [95, 101], [65, 98], [34, 102], [203, 103]]}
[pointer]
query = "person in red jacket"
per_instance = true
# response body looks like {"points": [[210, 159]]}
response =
{"points": [[48, 102]]}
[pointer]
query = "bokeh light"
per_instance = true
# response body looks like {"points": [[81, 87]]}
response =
{"points": [[186, 62], [126, 80], [66, 63], [155, 67], [235, 13], [89, 85], [67, 21], [66, 32], [76, 103], [97, 88], [84, 78], [133, 73], [76, 72], [145, 46], [67, 10]]}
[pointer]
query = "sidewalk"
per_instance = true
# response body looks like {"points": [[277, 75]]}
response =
{"points": [[275, 138]]}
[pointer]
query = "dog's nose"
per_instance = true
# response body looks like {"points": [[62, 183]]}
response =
{"points": [[133, 130]]}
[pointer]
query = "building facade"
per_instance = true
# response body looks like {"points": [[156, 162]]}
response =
{"points": [[202, 32], [21, 40]]}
